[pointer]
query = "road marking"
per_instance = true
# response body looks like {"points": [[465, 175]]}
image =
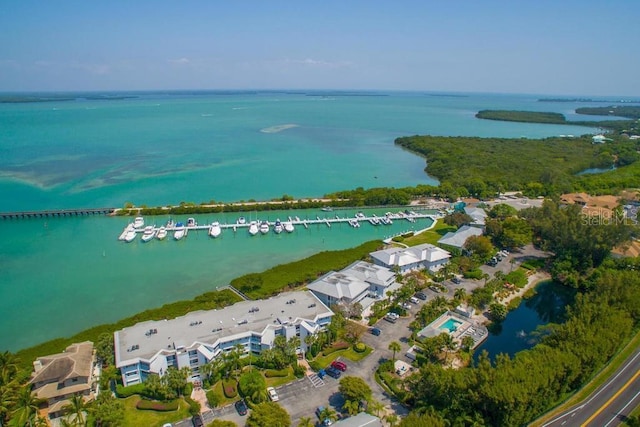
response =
{"points": [[608, 402], [623, 408]]}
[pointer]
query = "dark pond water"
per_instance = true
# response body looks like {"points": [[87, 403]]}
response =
{"points": [[518, 331]]}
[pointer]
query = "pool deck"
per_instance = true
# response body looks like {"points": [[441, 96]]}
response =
{"points": [[467, 327]]}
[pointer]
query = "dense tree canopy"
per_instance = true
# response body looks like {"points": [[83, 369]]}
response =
{"points": [[268, 414]]}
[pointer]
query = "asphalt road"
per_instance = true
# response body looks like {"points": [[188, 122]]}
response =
{"points": [[611, 403]]}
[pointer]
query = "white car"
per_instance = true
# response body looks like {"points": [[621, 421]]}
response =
{"points": [[406, 306], [273, 395]]}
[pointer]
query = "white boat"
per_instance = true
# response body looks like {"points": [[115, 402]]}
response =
{"points": [[354, 223], [215, 230], [149, 233], [130, 235], [288, 226], [191, 222], [125, 231], [138, 222], [374, 220], [170, 223], [277, 227], [253, 228], [264, 227], [241, 220], [326, 209], [180, 232], [161, 234], [360, 215]]}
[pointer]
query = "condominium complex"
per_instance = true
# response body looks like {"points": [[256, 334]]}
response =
{"points": [[195, 339]]}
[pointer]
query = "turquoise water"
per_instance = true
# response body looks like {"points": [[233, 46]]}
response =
{"points": [[450, 325], [61, 275]]}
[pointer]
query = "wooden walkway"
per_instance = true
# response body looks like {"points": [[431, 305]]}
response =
{"points": [[56, 213]]}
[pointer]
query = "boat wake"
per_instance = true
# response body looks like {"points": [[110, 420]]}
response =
{"points": [[278, 128]]}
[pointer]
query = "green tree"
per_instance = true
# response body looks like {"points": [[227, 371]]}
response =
{"points": [[104, 349], [26, 408], [305, 422], [498, 311], [268, 414], [176, 380], [502, 211], [480, 248], [428, 419], [392, 419], [375, 406], [214, 399], [467, 343], [107, 411], [458, 219], [222, 423], [253, 386], [327, 413], [76, 409], [394, 346], [354, 388], [351, 407]]}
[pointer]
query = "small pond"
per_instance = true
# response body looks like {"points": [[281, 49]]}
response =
{"points": [[518, 331]]}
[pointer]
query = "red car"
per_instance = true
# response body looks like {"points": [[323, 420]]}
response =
{"points": [[339, 365]]}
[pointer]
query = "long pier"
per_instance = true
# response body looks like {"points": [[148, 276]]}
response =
{"points": [[354, 221], [57, 213]]}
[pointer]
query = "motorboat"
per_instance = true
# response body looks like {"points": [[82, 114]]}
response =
{"points": [[180, 231], [385, 220], [277, 227], [125, 231], [326, 209], [264, 227], [149, 233], [162, 233], [374, 220], [130, 235], [191, 222], [138, 222], [215, 230], [354, 223], [241, 220], [288, 226], [170, 223], [253, 228], [360, 215]]}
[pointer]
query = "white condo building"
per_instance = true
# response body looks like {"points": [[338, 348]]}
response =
{"points": [[425, 256], [195, 339]]}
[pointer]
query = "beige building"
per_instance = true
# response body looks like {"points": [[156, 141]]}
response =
{"points": [[56, 378]]}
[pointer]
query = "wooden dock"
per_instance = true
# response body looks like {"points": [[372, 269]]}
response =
{"points": [[56, 213]]}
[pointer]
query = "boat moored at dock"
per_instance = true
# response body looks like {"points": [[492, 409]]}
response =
{"points": [[214, 229], [138, 222], [288, 226], [264, 227], [130, 235], [253, 228], [180, 231], [161, 234], [277, 227], [149, 233]]}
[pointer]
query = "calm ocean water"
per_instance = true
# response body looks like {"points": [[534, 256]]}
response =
{"points": [[59, 276]]}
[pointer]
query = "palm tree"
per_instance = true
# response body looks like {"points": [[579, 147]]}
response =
{"points": [[327, 413], [351, 406], [460, 294], [305, 422], [376, 406], [392, 419], [7, 400], [26, 407], [77, 408], [394, 346]]}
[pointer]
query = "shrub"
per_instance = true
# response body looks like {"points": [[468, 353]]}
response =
{"points": [[124, 392], [315, 365], [359, 347], [213, 398], [341, 345], [153, 405], [194, 407], [473, 274], [299, 371], [271, 373], [230, 388]]}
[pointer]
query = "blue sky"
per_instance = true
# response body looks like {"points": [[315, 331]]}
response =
{"points": [[542, 47]]}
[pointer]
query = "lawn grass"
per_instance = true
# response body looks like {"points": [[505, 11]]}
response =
{"points": [[278, 381], [430, 236], [347, 353], [134, 417], [600, 378]]}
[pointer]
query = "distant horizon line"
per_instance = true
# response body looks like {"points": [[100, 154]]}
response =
{"points": [[378, 92]]}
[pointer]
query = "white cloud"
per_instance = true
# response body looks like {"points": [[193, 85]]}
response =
{"points": [[319, 63], [180, 61]]}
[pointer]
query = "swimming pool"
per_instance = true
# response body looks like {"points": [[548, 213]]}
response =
{"points": [[450, 325]]}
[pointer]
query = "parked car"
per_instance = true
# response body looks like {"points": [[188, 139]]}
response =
{"points": [[375, 331], [197, 421], [333, 372], [406, 306], [339, 365], [414, 300], [421, 295], [325, 421], [456, 280], [390, 318], [273, 395], [241, 407]]}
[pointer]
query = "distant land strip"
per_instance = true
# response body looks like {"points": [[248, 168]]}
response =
{"points": [[622, 101]]}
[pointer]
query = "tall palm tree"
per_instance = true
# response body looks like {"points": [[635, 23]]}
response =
{"points": [[7, 400], [394, 346], [460, 294], [327, 413], [77, 408], [26, 408]]}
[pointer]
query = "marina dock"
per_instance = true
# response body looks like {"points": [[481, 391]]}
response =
{"points": [[355, 221], [56, 213]]}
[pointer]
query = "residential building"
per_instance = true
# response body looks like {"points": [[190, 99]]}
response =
{"points": [[425, 256], [56, 378], [197, 338], [459, 237], [478, 214], [361, 282], [361, 420]]}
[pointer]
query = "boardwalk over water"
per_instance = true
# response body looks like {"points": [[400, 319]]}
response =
{"points": [[57, 213]]}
